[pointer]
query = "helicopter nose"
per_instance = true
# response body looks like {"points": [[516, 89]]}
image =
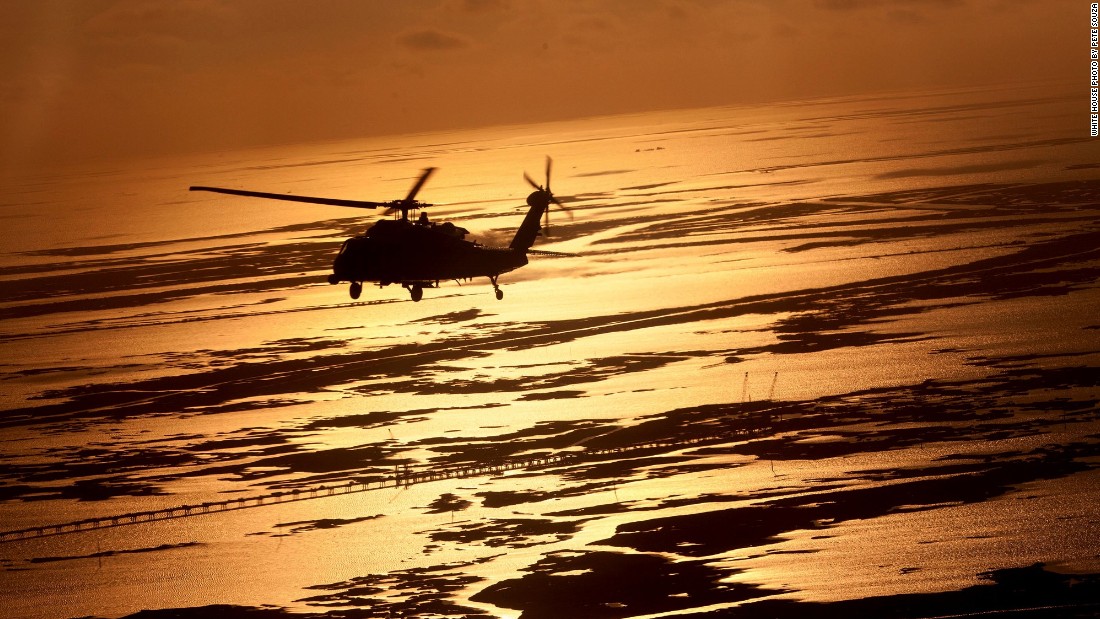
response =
{"points": [[340, 268], [342, 265]]}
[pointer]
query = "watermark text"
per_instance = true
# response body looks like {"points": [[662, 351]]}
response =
{"points": [[1094, 69]]}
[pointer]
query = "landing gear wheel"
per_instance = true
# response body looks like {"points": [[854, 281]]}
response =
{"points": [[333, 279], [417, 293], [355, 289], [496, 289], [500, 294]]}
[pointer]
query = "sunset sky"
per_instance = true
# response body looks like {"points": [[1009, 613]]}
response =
{"points": [[103, 79]]}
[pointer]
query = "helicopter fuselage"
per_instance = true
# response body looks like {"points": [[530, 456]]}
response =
{"points": [[414, 254], [420, 255]]}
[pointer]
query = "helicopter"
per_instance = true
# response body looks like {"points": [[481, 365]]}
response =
{"points": [[419, 254]]}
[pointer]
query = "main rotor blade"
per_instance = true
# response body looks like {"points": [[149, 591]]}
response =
{"points": [[419, 183], [552, 254], [548, 162], [293, 198]]}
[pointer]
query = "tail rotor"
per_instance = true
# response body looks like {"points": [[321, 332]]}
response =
{"points": [[542, 197]]}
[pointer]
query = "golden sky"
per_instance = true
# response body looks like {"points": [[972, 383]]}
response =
{"points": [[110, 79]]}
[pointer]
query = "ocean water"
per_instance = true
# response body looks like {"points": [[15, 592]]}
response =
{"points": [[863, 331]]}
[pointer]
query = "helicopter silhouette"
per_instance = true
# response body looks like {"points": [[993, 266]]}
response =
{"points": [[420, 254]]}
